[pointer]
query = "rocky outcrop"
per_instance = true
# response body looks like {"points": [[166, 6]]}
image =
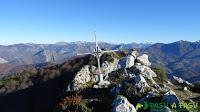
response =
{"points": [[181, 81], [108, 67], [140, 82], [102, 84], [128, 61], [148, 72], [121, 104], [137, 81], [81, 78], [170, 97], [134, 53], [145, 71], [143, 59]]}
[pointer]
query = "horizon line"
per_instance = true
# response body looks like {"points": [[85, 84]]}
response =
{"points": [[62, 42]]}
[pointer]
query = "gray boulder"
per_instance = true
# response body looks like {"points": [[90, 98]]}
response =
{"points": [[102, 84], [140, 82], [108, 67], [148, 72], [133, 53], [121, 104], [143, 59], [170, 97], [81, 78], [145, 70], [181, 81], [126, 62]]}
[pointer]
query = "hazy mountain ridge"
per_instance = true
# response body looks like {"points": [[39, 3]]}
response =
{"points": [[30, 53], [181, 58]]}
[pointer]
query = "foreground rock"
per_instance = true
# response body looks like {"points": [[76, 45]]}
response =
{"points": [[81, 78], [170, 97], [128, 61], [108, 67], [102, 84], [143, 59], [121, 104], [140, 83], [146, 72]]}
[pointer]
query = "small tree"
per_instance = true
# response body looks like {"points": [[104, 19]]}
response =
{"points": [[161, 73]]}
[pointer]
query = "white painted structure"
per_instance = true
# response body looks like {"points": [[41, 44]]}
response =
{"points": [[98, 53]]}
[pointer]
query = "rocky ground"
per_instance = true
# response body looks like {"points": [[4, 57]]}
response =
{"points": [[132, 85]]}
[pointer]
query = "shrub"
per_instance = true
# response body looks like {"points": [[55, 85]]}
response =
{"points": [[70, 101], [107, 57], [122, 53], [161, 74], [73, 103], [117, 76], [196, 87]]}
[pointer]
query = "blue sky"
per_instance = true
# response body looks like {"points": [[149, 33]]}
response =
{"points": [[115, 21]]}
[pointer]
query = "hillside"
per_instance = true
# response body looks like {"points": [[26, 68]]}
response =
{"points": [[23, 54], [181, 58], [130, 80]]}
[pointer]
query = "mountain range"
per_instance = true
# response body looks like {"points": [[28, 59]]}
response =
{"points": [[23, 54], [181, 58], [129, 83]]}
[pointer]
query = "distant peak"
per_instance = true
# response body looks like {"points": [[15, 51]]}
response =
{"points": [[198, 41]]}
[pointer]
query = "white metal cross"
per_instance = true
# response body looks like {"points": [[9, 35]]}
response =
{"points": [[98, 53]]}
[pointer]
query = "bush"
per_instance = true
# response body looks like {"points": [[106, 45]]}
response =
{"points": [[117, 76], [73, 103], [122, 53], [161, 74], [70, 100], [107, 57]]}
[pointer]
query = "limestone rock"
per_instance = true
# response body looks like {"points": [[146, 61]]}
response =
{"points": [[185, 88], [133, 53], [170, 97], [143, 59], [140, 82], [126, 62], [145, 70], [181, 81], [139, 67], [148, 72], [81, 78], [121, 104], [170, 83], [102, 84], [108, 67]]}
